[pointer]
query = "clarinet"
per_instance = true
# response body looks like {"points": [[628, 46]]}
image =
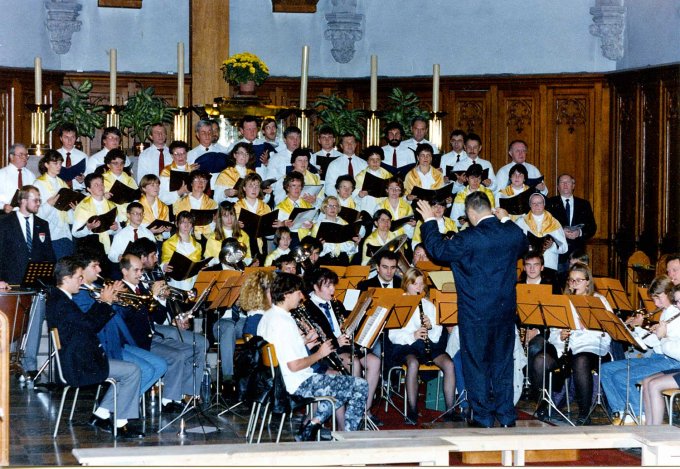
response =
{"points": [[426, 340], [305, 324], [564, 362]]}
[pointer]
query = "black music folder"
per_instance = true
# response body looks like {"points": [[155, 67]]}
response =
{"points": [[322, 162], [374, 185], [267, 183], [123, 194], [451, 174], [536, 243], [158, 223], [442, 193], [107, 219], [297, 211], [70, 173], [66, 198], [203, 217], [396, 224], [336, 233], [349, 214], [533, 182], [517, 205], [257, 226], [401, 171], [184, 268], [177, 178]]}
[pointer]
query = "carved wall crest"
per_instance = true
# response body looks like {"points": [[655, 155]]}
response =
{"points": [[519, 113], [61, 23], [470, 115], [571, 112], [609, 18], [345, 27]]}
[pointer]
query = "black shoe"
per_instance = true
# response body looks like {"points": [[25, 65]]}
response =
{"points": [[411, 417], [376, 421], [102, 424], [475, 424], [173, 407], [453, 416], [508, 425], [308, 432], [127, 432], [542, 412], [325, 434], [583, 420], [30, 375]]}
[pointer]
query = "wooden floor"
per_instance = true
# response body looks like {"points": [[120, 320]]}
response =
{"points": [[33, 415]]}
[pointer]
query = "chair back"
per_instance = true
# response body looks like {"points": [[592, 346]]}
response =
{"points": [[56, 344], [269, 358]]}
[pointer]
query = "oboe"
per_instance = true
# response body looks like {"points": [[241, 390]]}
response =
{"points": [[305, 324]]}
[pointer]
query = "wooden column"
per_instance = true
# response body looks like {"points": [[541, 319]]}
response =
{"points": [[209, 47]]}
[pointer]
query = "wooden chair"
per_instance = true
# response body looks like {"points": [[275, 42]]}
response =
{"points": [[670, 395], [56, 343], [638, 258], [400, 374]]}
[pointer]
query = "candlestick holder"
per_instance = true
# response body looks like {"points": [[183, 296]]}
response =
{"points": [[180, 129], [303, 124], [373, 129], [435, 128], [38, 128], [113, 116]]}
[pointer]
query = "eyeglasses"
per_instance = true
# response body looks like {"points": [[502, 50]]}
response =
{"points": [[576, 281]]}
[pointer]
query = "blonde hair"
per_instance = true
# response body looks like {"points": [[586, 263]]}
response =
{"points": [[253, 294], [410, 278], [583, 268], [324, 204]]}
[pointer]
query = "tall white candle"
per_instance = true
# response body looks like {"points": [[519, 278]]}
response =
{"points": [[374, 83], [435, 88], [304, 71], [180, 74], [113, 60], [38, 80]]}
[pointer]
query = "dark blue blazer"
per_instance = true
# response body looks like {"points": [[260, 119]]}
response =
{"points": [[483, 259], [13, 248], [83, 360]]}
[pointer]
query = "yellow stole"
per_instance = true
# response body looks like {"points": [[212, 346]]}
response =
{"points": [[170, 246], [230, 176], [403, 210], [262, 208], [47, 184], [449, 225], [163, 210], [174, 167], [509, 192], [460, 197], [110, 178], [214, 245], [548, 225], [413, 180], [348, 202], [86, 209], [287, 206], [206, 204]]}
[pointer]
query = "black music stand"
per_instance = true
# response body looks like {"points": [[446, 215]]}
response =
{"points": [[537, 308]]}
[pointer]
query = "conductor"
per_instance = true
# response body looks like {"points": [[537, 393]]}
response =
{"points": [[483, 260]]}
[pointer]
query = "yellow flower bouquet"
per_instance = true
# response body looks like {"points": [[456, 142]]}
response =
{"points": [[244, 67]]}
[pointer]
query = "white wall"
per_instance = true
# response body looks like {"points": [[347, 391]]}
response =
{"points": [[652, 33], [146, 38], [465, 36]]}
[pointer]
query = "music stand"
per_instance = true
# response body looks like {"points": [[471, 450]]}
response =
{"points": [[535, 307], [38, 274], [614, 293], [646, 301]]}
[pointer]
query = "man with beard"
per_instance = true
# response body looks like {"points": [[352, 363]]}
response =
{"points": [[397, 153]]}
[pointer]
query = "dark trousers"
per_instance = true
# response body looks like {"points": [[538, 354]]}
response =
{"points": [[486, 353]]}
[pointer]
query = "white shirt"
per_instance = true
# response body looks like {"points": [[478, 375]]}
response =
{"points": [[97, 160], [9, 181], [124, 237], [583, 340], [333, 153], [57, 220], [334, 320], [167, 197], [278, 327], [276, 168], [148, 161], [463, 165], [404, 336], [76, 157], [339, 168], [503, 175], [22, 223], [404, 155], [411, 143]]}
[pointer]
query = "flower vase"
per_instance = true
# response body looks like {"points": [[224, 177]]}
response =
{"points": [[247, 88]]}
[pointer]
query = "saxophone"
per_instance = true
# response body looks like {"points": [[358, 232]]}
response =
{"points": [[427, 342], [305, 324]]}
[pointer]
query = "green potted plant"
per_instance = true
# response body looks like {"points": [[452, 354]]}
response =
{"points": [[75, 108], [403, 108], [245, 70], [141, 110], [332, 111]]}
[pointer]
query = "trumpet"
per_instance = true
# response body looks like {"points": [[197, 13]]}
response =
{"points": [[124, 298], [177, 294]]}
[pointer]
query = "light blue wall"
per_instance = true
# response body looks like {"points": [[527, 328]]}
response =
{"points": [[464, 36], [653, 33], [146, 38]]}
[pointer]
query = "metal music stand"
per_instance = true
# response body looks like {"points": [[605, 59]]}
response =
{"points": [[535, 307]]}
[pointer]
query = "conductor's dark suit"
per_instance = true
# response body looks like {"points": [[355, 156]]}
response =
{"points": [[484, 263], [374, 282], [14, 251], [582, 215]]}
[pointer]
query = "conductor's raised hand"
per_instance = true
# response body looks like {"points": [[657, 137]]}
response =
{"points": [[425, 209]]}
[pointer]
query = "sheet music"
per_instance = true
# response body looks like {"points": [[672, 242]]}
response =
{"points": [[372, 327], [351, 298]]}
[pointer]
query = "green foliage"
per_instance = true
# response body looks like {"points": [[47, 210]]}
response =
{"points": [[142, 110], [76, 108], [332, 111], [402, 108]]}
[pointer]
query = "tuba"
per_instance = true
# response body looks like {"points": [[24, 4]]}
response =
{"points": [[396, 245], [302, 254], [233, 252]]}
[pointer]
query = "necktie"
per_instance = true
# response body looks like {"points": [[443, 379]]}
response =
{"points": [[386, 285], [20, 180], [457, 158], [567, 209], [136, 237], [161, 161], [327, 311], [350, 170], [68, 165], [394, 158], [138, 290], [328, 155], [207, 148], [29, 236]]}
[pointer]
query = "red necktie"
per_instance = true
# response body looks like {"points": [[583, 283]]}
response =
{"points": [[394, 158], [161, 161], [137, 290], [350, 170], [68, 165], [136, 237], [20, 180]]}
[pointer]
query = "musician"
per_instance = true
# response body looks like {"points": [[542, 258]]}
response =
{"points": [[83, 360], [397, 206], [293, 184], [154, 208], [94, 204], [386, 263], [68, 135], [423, 175], [279, 328], [655, 384], [673, 268], [184, 243], [282, 241], [204, 135], [243, 159], [25, 238], [178, 151], [180, 356], [226, 226], [276, 168], [446, 225], [518, 177], [382, 220], [115, 161], [286, 263], [197, 200], [484, 261], [49, 184], [571, 212], [517, 150], [577, 350], [419, 126], [155, 158], [334, 253], [373, 156], [255, 299], [326, 140], [473, 148], [132, 232], [110, 141], [473, 175], [420, 341], [348, 163], [270, 130], [396, 153], [456, 155], [15, 175], [253, 198], [344, 185], [115, 336], [419, 255], [299, 160]]}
